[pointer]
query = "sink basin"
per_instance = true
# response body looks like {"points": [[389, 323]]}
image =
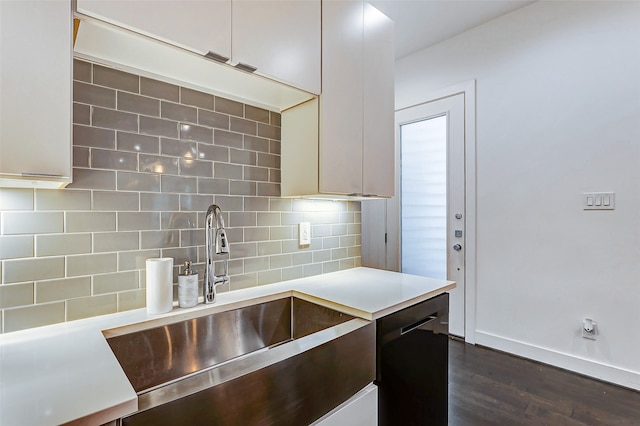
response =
{"points": [[240, 363]]}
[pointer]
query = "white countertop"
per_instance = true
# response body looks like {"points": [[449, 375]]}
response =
{"points": [[67, 372]]}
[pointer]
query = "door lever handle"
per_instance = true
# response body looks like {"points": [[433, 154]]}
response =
{"points": [[457, 247]]}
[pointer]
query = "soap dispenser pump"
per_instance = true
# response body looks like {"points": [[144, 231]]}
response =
{"points": [[187, 287]]}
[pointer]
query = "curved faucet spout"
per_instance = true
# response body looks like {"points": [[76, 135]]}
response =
{"points": [[216, 243]]}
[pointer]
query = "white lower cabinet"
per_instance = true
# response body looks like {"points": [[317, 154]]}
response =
{"points": [[360, 410]]}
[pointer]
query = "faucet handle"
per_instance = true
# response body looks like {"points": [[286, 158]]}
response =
{"points": [[222, 245]]}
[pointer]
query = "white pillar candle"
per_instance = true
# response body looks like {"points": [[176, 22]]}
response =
{"points": [[159, 285]]}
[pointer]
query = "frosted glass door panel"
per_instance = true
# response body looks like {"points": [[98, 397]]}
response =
{"points": [[423, 150]]}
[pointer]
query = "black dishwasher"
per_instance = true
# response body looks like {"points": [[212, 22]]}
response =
{"points": [[412, 364]]}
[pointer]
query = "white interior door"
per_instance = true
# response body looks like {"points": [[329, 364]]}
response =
{"points": [[432, 196]]}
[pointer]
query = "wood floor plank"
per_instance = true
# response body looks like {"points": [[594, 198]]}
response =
{"points": [[488, 387]]}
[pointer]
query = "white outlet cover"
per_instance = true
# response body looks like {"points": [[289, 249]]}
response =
{"points": [[304, 233]]}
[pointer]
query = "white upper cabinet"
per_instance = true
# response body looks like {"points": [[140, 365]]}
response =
{"points": [[354, 143], [281, 38], [200, 26], [35, 94], [378, 115]]}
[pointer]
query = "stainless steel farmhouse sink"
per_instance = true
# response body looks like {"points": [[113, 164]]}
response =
{"points": [[286, 361]]}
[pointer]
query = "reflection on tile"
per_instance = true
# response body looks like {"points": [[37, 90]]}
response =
{"points": [[111, 283], [33, 269], [227, 171], [86, 307], [179, 184], [81, 156], [269, 277], [87, 264], [212, 152], [256, 114], [128, 300], [117, 79], [93, 179], [159, 202], [57, 245], [196, 98], [90, 221], [178, 112], [256, 173], [179, 220], [93, 137], [224, 138], [33, 316], [160, 239], [268, 189], [228, 106], [158, 127], [157, 164], [192, 202], [241, 125], [292, 273], [63, 289], [115, 241], [266, 248], [130, 181], [196, 133], [240, 187], [159, 89], [137, 143], [239, 282], [189, 167], [213, 186], [115, 201], [81, 70], [12, 295], [129, 260], [178, 148], [268, 131], [94, 95], [252, 204], [213, 119], [114, 160], [32, 222], [13, 247], [138, 104], [112, 119], [138, 221]]}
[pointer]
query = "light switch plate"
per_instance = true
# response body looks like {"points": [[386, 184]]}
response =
{"points": [[599, 200], [304, 233]]}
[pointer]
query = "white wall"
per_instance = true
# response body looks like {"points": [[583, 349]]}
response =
{"points": [[558, 114]]}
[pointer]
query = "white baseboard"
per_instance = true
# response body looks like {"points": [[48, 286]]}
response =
{"points": [[608, 373]]}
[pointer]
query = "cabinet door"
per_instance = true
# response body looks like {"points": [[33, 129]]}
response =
{"points": [[35, 94], [378, 150], [341, 99], [200, 26], [281, 38]]}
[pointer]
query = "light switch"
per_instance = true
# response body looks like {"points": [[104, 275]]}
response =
{"points": [[598, 201], [304, 233]]}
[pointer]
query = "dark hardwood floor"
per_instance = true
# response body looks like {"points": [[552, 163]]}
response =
{"points": [[488, 387]]}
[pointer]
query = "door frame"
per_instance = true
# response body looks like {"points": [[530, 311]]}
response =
{"points": [[468, 89]]}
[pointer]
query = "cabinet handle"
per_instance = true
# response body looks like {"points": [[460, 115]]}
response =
{"points": [[246, 67], [217, 57]]}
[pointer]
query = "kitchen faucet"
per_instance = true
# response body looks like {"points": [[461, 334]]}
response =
{"points": [[214, 224]]}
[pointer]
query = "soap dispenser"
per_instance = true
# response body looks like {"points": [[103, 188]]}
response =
{"points": [[187, 287]]}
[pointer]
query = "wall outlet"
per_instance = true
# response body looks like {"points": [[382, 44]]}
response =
{"points": [[589, 329], [304, 233]]}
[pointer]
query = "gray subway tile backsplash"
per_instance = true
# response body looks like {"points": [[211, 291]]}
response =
{"points": [[149, 158]]}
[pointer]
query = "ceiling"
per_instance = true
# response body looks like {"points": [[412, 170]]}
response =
{"points": [[423, 23]]}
